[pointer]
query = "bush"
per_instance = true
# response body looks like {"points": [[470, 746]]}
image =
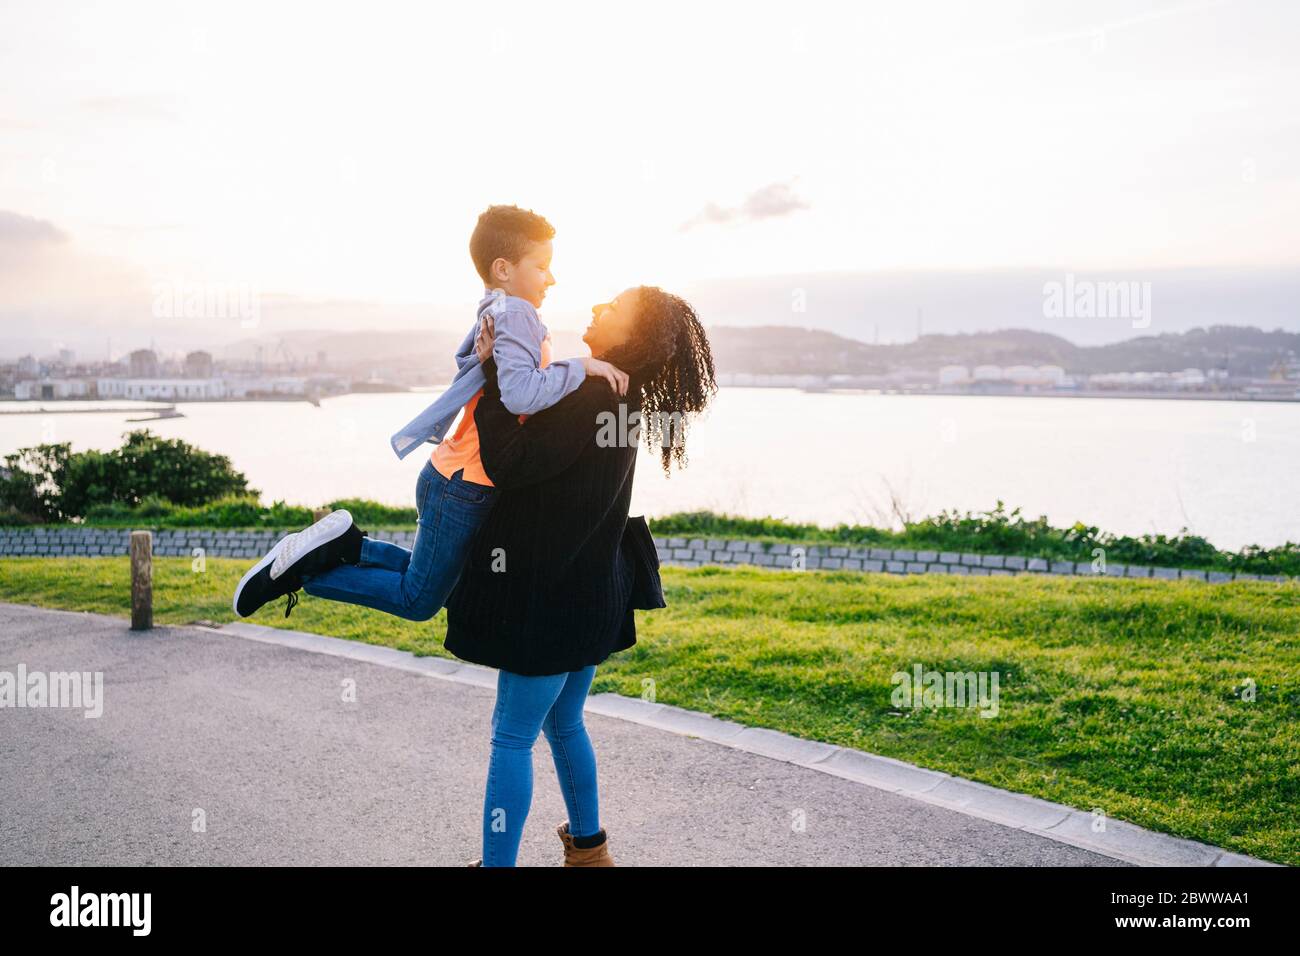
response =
{"points": [[242, 511], [153, 507], [108, 513], [709, 524], [365, 512], [49, 483], [31, 482], [10, 515], [148, 466]]}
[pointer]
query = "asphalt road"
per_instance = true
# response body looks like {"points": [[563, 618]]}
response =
{"points": [[256, 743]]}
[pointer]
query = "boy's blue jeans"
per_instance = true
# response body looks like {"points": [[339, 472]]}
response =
{"points": [[551, 703], [414, 583]]}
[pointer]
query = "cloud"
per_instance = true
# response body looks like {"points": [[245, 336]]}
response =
{"points": [[17, 229], [47, 278], [770, 202]]}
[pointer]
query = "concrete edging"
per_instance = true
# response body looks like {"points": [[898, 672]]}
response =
{"points": [[681, 552], [698, 552], [1055, 821]]}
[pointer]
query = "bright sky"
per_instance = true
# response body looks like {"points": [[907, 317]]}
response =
{"points": [[347, 152]]}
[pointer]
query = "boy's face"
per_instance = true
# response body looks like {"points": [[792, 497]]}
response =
{"points": [[530, 277]]}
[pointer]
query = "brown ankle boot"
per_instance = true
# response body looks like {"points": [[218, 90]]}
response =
{"points": [[578, 856]]}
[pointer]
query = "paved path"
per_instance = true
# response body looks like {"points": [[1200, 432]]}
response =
{"points": [[255, 736]]}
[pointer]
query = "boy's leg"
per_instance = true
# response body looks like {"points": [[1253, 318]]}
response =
{"points": [[459, 509], [450, 512], [384, 554]]}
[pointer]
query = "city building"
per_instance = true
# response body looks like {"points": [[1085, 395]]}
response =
{"points": [[281, 385], [142, 363], [51, 388], [1053, 375], [167, 389], [198, 365]]}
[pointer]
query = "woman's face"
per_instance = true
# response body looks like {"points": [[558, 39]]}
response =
{"points": [[612, 322]]}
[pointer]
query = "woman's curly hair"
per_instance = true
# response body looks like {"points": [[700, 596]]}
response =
{"points": [[669, 361]]}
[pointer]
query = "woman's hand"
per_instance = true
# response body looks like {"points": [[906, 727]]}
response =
{"points": [[486, 336]]}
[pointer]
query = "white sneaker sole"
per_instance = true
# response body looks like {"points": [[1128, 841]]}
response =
{"points": [[322, 532], [266, 559]]}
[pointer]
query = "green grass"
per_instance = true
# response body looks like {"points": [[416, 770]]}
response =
{"points": [[1118, 694]]}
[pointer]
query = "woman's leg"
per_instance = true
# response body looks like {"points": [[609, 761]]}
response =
{"points": [[522, 704], [415, 584], [575, 759]]}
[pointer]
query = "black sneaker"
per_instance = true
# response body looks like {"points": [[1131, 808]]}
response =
{"points": [[256, 588], [332, 541]]}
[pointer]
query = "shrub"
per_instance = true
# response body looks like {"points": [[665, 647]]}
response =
{"points": [[49, 483], [365, 512], [239, 511], [31, 482], [148, 466]]}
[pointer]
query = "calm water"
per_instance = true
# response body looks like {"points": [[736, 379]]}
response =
{"points": [[1223, 469]]}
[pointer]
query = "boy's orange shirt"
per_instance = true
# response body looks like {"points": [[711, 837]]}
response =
{"points": [[460, 449]]}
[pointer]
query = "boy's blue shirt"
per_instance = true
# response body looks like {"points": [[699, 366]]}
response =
{"points": [[526, 388]]}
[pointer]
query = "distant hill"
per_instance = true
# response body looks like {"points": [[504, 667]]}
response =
{"points": [[778, 349], [1239, 350], [380, 345], [429, 352], [889, 307], [876, 307], [787, 349]]}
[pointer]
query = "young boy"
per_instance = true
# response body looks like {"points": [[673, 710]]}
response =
{"points": [[511, 249]]}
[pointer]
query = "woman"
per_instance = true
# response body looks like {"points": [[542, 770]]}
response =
{"points": [[556, 570]]}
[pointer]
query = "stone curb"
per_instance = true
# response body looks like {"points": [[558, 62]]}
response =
{"points": [[1120, 841], [679, 552]]}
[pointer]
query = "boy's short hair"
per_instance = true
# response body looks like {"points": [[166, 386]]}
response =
{"points": [[505, 232]]}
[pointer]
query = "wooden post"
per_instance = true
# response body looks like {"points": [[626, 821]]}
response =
{"points": [[319, 513], [141, 580]]}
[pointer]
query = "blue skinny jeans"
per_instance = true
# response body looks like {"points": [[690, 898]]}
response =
{"points": [[551, 703], [414, 583]]}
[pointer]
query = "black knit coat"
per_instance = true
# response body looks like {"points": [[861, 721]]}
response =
{"points": [[555, 571]]}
